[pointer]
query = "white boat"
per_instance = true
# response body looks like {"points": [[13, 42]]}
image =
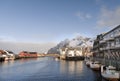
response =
{"points": [[110, 73], [88, 62], [56, 59], [95, 65], [86, 59]]}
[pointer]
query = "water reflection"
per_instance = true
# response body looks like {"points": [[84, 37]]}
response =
{"points": [[46, 69], [71, 67]]}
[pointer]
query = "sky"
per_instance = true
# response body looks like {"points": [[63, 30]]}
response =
{"points": [[37, 25]]}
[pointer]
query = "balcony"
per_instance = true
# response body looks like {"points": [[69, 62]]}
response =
{"points": [[117, 46], [117, 35], [101, 49], [109, 39], [96, 51], [109, 47], [102, 41]]}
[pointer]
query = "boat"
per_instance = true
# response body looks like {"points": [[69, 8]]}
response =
{"points": [[88, 63], [56, 59], [110, 73], [95, 65]]}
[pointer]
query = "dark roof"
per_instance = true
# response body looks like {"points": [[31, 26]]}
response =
{"points": [[25, 52], [9, 51], [112, 30], [32, 52]]}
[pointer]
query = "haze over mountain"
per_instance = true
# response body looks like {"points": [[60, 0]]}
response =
{"points": [[78, 41], [17, 47]]}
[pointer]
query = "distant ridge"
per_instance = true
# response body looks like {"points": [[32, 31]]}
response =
{"points": [[78, 41]]}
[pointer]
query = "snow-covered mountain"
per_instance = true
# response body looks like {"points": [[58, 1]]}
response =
{"points": [[75, 42]]}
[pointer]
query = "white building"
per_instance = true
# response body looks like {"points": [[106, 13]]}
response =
{"points": [[71, 51], [8, 55]]}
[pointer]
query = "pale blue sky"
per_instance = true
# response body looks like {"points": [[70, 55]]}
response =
{"points": [[43, 21]]}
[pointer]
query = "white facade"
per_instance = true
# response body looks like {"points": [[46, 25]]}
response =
{"points": [[71, 52], [7, 54]]}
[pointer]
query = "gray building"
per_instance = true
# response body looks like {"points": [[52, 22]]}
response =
{"points": [[106, 47]]}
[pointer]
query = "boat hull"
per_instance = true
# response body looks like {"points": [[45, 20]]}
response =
{"points": [[110, 73], [95, 67], [75, 58], [88, 63], [110, 77]]}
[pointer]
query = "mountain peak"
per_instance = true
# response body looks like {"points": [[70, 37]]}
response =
{"points": [[78, 41]]}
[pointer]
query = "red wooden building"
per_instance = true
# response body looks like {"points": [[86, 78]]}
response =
{"points": [[28, 54]]}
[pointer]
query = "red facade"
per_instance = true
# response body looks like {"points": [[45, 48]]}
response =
{"points": [[28, 54]]}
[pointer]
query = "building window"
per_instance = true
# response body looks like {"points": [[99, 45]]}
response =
{"points": [[117, 41]]}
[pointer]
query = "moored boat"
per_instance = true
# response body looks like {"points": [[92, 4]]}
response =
{"points": [[110, 73], [88, 63], [95, 65]]}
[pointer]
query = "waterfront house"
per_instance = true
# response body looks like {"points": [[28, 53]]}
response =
{"points": [[8, 55], [28, 54], [71, 53], [106, 47]]}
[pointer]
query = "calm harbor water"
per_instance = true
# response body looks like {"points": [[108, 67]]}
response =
{"points": [[46, 69]]}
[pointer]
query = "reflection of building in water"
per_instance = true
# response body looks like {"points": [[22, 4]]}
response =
{"points": [[27, 60], [71, 67], [8, 63]]}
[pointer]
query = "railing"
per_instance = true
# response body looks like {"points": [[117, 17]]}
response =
{"points": [[96, 51], [103, 48], [107, 48], [118, 45], [116, 35], [110, 38], [102, 41], [110, 47]]}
